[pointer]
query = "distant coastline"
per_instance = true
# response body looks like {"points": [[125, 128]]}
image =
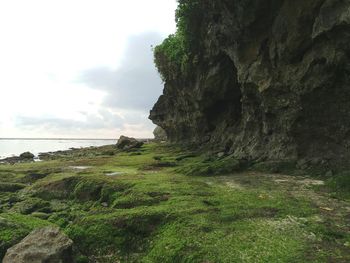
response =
{"points": [[67, 139], [15, 146]]}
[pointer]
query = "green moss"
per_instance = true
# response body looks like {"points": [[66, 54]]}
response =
{"points": [[87, 190], [119, 233], [215, 166], [56, 187], [161, 214], [239, 241], [288, 166], [14, 227], [339, 185], [30, 205], [11, 187]]}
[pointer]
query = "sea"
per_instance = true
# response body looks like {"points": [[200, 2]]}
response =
{"points": [[12, 147]]}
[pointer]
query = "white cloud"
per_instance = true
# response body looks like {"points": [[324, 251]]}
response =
{"points": [[47, 44]]}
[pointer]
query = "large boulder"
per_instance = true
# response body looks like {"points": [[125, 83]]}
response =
{"points": [[127, 143], [26, 155], [159, 134], [45, 245], [23, 157]]}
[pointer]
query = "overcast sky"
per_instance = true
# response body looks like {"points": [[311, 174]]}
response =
{"points": [[80, 68]]}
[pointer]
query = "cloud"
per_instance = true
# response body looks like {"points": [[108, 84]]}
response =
{"points": [[103, 120], [129, 93], [136, 84]]}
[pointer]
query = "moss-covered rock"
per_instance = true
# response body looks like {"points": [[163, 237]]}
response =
{"points": [[14, 227], [11, 187], [30, 205], [211, 166]]}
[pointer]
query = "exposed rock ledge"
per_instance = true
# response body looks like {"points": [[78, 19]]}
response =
{"points": [[272, 81]]}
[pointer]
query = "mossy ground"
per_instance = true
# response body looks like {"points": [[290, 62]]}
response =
{"points": [[164, 204]]}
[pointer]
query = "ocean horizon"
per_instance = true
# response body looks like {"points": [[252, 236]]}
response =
{"points": [[15, 146]]}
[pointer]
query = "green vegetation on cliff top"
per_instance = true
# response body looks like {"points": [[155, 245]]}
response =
{"points": [[163, 204], [175, 54]]}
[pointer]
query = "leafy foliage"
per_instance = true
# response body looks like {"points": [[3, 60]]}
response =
{"points": [[171, 57], [175, 55]]}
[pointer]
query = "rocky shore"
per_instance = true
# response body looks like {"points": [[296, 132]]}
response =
{"points": [[23, 157], [153, 202]]}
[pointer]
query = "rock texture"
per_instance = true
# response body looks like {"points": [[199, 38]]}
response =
{"points": [[127, 143], [26, 155], [159, 134], [271, 81], [46, 245]]}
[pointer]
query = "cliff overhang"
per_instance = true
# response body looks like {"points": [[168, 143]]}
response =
{"points": [[259, 79]]}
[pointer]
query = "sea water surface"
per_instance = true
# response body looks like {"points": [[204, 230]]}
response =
{"points": [[11, 147]]}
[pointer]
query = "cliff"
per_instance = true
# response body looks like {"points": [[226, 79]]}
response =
{"points": [[261, 79]]}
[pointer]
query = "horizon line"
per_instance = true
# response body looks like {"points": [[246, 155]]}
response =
{"points": [[95, 139], [23, 138]]}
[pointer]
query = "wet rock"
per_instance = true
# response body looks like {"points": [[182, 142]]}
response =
{"points": [[127, 143], [45, 245]]}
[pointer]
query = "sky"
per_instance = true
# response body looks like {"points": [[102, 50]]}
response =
{"points": [[80, 68]]}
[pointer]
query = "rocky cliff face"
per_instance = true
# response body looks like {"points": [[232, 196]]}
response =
{"points": [[270, 81]]}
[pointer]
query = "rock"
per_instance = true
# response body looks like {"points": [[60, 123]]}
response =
{"points": [[32, 204], [302, 164], [45, 245], [126, 143], [220, 154], [11, 187], [329, 173], [40, 215], [26, 155], [159, 134], [262, 79]]}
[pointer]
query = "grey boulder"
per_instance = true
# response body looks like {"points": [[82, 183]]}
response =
{"points": [[127, 143], [45, 245], [26, 155], [159, 134]]}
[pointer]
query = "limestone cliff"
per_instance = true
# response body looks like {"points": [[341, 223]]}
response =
{"points": [[269, 79]]}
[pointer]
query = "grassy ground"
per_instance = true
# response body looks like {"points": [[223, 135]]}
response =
{"points": [[164, 204]]}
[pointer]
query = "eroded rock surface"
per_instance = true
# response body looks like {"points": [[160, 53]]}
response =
{"points": [[270, 81], [127, 143], [159, 134], [45, 245]]}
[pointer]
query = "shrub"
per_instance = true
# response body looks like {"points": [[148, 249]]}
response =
{"points": [[175, 55]]}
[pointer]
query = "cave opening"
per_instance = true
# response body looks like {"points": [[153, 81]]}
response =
{"points": [[224, 96]]}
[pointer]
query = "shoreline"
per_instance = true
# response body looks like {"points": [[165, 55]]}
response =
{"points": [[41, 156], [129, 205], [14, 147]]}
